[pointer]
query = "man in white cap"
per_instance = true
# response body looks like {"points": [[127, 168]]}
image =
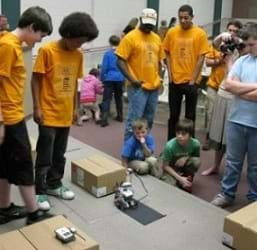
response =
{"points": [[140, 55]]}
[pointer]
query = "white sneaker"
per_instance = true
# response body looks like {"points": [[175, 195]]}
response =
{"points": [[221, 201], [43, 202], [62, 192]]}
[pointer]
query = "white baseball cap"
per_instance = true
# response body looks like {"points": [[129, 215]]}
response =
{"points": [[149, 16]]}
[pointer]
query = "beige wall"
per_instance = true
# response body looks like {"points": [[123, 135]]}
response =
{"points": [[245, 9], [28, 97]]}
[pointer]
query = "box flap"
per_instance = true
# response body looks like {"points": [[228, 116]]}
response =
{"points": [[108, 164], [14, 240], [42, 236], [245, 216], [91, 167]]}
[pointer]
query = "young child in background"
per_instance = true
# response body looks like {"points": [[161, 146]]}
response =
{"points": [[89, 88], [137, 151], [113, 81], [181, 157]]}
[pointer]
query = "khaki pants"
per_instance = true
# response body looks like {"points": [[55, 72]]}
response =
{"points": [[148, 166]]}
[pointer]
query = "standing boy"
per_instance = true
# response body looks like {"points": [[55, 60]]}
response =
{"points": [[181, 156], [16, 165], [54, 84], [185, 46]]}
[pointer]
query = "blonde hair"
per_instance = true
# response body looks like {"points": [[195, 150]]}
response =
{"points": [[139, 124]]}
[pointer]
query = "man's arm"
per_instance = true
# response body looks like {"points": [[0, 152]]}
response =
{"points": [[123, 66], [36, 82], [250, 96], [168, 64], [197, 69], [233, 85]]}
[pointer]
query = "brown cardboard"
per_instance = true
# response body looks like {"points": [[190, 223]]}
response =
{"points": [[42, 236], [240, 228], [14, 240], [97, 174]]}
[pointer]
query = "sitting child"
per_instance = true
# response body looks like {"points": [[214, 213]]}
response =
{"points": [[89, 88], [181, 157], [137, 151]]}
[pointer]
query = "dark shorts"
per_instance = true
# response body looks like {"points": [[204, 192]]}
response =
{"points": [[15, 155]]}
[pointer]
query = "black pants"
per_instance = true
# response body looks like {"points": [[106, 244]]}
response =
{"points": [[111, 88], [176, 92], [50, 161], [15, 155]]}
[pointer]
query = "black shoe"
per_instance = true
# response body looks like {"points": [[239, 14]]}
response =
{"points": [[104, 123], [13, 212], [38, 216], [119, 118]]}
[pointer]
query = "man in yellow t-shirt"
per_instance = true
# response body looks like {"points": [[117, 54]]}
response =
{"points": [[140, 55], [16, 166], [185, 46], [54, 88]]}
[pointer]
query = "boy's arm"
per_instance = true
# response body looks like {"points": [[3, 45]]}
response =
{"points": [[75, 103], [36, 82], [124, 161], [170, 170], [146, 150]]}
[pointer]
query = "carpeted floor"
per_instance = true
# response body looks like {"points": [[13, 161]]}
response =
{"points": [[109, 140]]}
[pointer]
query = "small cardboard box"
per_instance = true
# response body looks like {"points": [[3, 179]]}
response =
{"points": [[97, 174], [41, 236], [240, 228]]}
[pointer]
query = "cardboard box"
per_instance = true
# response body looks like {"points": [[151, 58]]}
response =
{"points": [[41, 236], [97, 174], [240, 228]]}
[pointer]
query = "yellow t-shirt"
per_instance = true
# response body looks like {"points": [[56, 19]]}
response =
{"points": [[12, 83], [143, 53], [61, 69], [217, 73], [184, 48]]}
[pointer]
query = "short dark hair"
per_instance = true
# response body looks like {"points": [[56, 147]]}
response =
{"points": [[139, 124], [114, 40], [236, 23], [186, 8], [249, 30], [78, 24], [185, 125], [38, 17], [95, 72]]}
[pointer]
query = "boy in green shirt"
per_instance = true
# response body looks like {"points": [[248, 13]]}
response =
{"points": [[181, 157]]}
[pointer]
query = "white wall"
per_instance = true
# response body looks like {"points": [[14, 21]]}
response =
{"points": [[110, 16], [227, 6]]}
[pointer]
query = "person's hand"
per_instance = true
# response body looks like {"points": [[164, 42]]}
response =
{"points": [[38, 116], [2, 132], [136, 83], [181, 162], [185, 183], [75, 117], [191, 82], [142, 140], [226, 36]]}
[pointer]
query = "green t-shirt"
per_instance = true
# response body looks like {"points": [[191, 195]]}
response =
{"points": [[173, 150]]}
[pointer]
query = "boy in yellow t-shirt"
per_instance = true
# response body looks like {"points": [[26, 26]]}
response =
{"points": [[54, 85], [16, 165]]}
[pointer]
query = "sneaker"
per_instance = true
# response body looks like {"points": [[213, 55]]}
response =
{"points": [[43, 202], [119, 118], [13, 212], [62, 192], [221, 201], [38, 216]]}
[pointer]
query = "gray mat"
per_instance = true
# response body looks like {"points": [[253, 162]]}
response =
{"points": [[143, 214]]}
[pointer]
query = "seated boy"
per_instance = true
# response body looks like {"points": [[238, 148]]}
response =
{"points": [[137, 151], [181, 157]]}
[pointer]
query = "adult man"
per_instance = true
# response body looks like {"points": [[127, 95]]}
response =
{"points": [[242, 124], [4, 25], [185, 46], [139, 57], [216, 59]]}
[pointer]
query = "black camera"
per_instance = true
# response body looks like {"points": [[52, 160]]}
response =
{"points": [[229, 46]]}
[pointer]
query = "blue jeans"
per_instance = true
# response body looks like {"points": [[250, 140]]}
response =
{"points": [[141, 104], [241, 140], [50, 161]]}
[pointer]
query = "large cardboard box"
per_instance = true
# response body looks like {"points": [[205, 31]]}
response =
{"points": [[97, 174], [240, 228], [41, 236]]}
